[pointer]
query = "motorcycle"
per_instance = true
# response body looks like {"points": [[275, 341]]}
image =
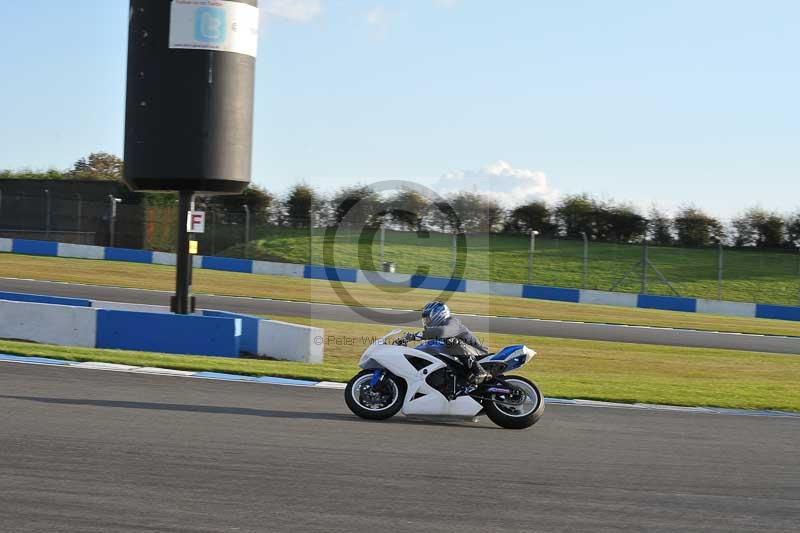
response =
{"points": [[424, 381]]}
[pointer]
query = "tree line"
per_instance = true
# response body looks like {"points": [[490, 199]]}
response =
{"points": [[572, 216]]}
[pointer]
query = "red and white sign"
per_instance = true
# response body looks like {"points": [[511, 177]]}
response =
{"points": [[196, 222]]}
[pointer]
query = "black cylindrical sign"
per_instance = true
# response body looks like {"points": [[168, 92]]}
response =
{"points": [[189, 110]]}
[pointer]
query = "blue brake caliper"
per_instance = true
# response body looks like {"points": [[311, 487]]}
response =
{"points": [[376, 377]]}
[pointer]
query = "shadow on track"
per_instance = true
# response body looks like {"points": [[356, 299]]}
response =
{"points": [[242, 411]]}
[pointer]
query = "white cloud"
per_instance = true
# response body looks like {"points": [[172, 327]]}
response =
{"points": [[292, 10], [376, 16], [508, 185]]}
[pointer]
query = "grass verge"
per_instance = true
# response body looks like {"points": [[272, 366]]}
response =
{"points": [[564, 368], [160, 277]]}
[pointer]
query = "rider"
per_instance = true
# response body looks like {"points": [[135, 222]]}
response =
{"points": [[461, 343]]}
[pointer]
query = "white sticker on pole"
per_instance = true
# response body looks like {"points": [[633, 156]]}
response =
{"points": [[196, 222], [214, 25]]}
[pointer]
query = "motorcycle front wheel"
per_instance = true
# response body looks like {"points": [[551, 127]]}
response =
{"points": [[518, 411], [379, 403]]}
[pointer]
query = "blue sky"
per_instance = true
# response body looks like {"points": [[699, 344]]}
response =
{"points": [[669, 102]]}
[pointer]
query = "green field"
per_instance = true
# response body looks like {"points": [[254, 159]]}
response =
{"points": [[563, 368], [160, 277], [748, 275]]}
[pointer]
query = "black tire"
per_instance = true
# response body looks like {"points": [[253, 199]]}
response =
{"points": [[508, 421], [375, 414]]}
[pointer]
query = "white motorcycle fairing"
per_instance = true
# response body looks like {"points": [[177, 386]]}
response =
{"points": [[420, 398]]}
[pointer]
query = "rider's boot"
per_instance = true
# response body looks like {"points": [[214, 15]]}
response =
{"points": [[477, 373]]}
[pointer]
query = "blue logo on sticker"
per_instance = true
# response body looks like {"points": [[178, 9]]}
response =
{"points": [[210, 25]]}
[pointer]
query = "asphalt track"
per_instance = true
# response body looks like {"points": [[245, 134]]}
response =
{"points": [[519, 326], [93, 451]]}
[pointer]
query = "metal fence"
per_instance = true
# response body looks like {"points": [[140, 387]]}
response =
{"points": [[719, 272]]}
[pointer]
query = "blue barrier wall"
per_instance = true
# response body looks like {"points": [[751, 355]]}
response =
{"points": [[37, 299], [23, 246], [330, 273], [779, 312], [438, 284], [551, 293], [228, 264], [131, 256], [159, 332], [249, 343], [667, 303]]}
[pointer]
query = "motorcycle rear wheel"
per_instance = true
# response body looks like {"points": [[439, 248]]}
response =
{"points": [[357, 394], [522, 417]]}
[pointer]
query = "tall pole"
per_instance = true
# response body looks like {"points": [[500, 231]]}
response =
{"points": [[531, 250], [645, 264], [47, 215], [719, 270], [585, 259], [183, 268]]}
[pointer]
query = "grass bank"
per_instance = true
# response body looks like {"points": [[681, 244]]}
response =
{"points": [[770, 276], [564, 368]]}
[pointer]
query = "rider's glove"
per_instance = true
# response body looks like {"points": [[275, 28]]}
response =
{"points": [[411, 336]]}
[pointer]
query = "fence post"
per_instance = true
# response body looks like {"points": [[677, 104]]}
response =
{"points": [[47, 215], [531, 250], [719, 270], [455, 252], [585, 259], [246, 231], [645, 263], [113, 218], [383, 238]]}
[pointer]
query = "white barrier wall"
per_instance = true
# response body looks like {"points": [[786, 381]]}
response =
{"points": [[48, 323], [81, 251], [139, 308], [6, 245], [726, 308], [164, 258], [290, 342], [619, 299], [278, 269]]}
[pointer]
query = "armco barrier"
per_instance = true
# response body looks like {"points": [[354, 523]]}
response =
{"points": [[330, 273], [438, 284], [131, 256], [777, 311], [228, 264], [180, 334], [24, 246], [350, 275], [667, 303], [281, 340], [48, 323], [551, 293]]}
